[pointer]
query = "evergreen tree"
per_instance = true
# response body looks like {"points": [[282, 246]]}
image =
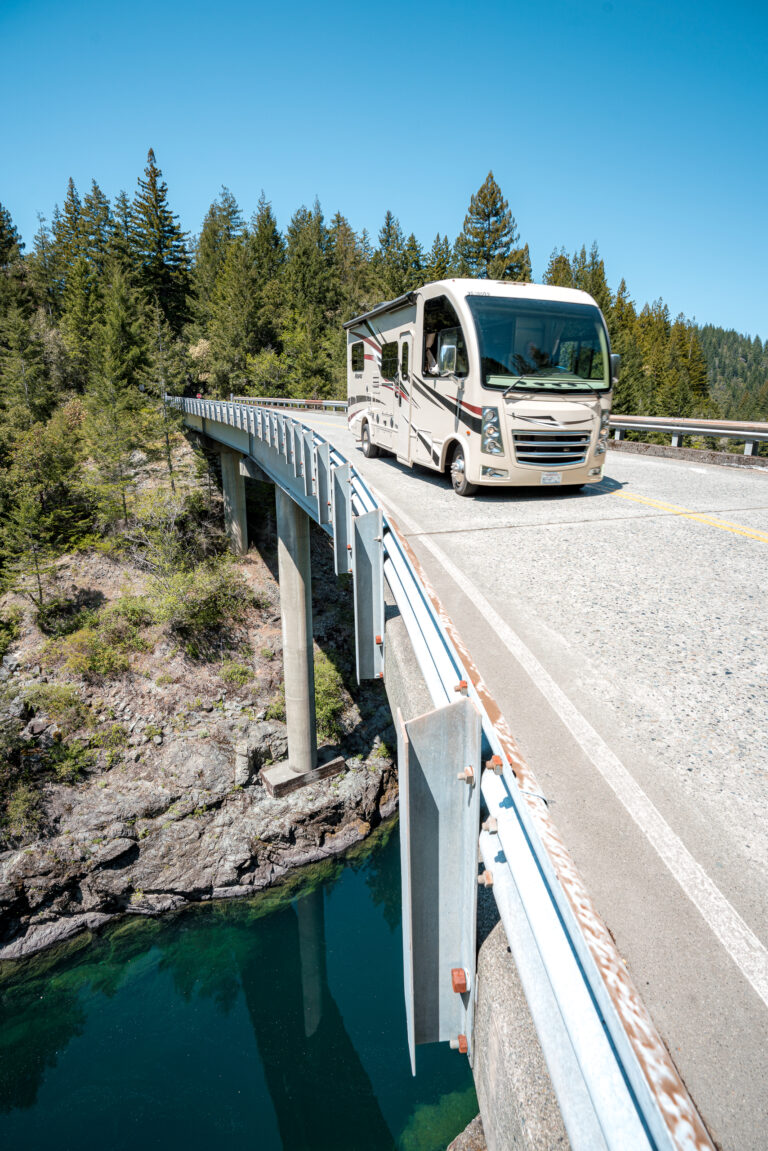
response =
{"points": [[121, 237], [559, 272], [486, 246], [439, 263], [13, 289], [80, 310], [159, 247], [42, 269], [115, 401], [589, 276], [233, 327], [389, 267], [96, 229], [68, 243], [413, 264], [223, 223], [25, 386]]}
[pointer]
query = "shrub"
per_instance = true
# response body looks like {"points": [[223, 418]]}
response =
{"points": [[137, 610], [197, 603], [61, 616], [329, 697], [69, 760], [23, 812], [89, 654], [61, 702], [234, 673], [276, 709], [10, 630]]}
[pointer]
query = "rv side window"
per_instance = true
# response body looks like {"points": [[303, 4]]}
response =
{"points": [[358, 357], [445, 349], [404, 361], [389, 361]]}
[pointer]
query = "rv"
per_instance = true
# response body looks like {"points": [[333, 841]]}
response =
{"points": [[499, 383]]}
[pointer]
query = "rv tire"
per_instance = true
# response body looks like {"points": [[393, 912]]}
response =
{"points": [[370, 451], [461, 484]]}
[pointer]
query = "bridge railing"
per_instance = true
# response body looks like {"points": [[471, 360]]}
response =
{"points": [[615, 1082], [751, 434]]}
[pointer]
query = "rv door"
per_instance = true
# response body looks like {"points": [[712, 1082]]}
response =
{"points": [[403, 402]]}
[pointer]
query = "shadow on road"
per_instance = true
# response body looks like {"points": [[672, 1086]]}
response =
{"points": [[491, 495]]}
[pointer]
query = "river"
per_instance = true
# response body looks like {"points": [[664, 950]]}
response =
{"points": [[270, 1022]]}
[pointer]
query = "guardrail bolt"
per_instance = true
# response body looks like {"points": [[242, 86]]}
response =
{"points": [[485, 879], [468, 774], [459, 980], [495, 765], [461, 686], [491, 825]]}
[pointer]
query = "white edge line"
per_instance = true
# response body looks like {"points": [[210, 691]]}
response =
{"points": [[741, 943]]}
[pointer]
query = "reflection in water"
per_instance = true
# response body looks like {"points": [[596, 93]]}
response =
{"points": [[264, 1023], [319, 1087]]}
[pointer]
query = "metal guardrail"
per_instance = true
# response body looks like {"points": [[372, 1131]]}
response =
{"points": [[281, 402], [751, 433], [615, 1082]]}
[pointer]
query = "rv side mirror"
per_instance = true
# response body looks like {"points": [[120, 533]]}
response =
{"points": [[447, 361], [615, 365]]}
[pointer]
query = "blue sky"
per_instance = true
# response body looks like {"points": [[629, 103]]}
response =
{"points": [[639, 125]]}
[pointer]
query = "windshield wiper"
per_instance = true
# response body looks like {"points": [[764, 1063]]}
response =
{"points": [[512, 387]]}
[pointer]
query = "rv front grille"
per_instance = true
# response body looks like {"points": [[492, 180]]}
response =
{"points": [[551, 449]]}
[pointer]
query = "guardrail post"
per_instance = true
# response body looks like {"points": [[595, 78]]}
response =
{"points": [[677, 439], [234, 501], [619, 434], [295, 576], [750, 448]]}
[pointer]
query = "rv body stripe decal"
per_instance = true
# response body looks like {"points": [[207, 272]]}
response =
{"points": [[450, 404]]}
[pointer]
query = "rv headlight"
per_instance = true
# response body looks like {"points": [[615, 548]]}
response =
{"points": [[490, 435], [600, 448], [604, 418]]}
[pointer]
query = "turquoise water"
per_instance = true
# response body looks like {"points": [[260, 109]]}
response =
{"points": [[275, 1022]]}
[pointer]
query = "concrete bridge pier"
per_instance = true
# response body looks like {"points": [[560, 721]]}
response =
{"points": [[295, 577], [233, 487]]}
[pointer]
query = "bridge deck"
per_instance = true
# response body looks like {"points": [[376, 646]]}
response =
{"points": [[623, 631]]}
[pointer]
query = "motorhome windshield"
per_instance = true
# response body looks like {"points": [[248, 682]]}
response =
{"points": [[540, 345]]}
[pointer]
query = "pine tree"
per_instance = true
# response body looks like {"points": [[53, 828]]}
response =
{"points": [[388, 264], [68, 242], [439, 263], [233, 326], [115, 401], [486, 247], [13, 289], [42, 269], [559, 272], [25, 387], [223, 223], [159, 247], [96, 229], [589, 276], [413, 264], [120, 240], [80, 311]]}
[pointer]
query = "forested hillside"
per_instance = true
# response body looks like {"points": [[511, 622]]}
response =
{"points": [[737, 373], [113, 304]]}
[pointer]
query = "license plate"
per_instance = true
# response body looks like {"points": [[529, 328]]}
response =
{"points": [[551, 477]]}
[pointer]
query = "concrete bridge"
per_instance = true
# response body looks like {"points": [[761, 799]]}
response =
{"points": [[622, 634]]}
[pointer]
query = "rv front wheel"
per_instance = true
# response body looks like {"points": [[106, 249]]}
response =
{"points": [[461, 484], [369, 450]]}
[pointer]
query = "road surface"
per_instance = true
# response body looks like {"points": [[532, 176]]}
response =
{"points": [[624, 633]]}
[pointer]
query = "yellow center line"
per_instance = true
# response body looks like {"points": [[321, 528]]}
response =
{"points": [[686, 513]]}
